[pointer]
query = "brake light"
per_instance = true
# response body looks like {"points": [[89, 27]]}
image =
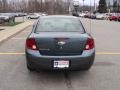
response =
{"points": [[31, 44], [89, 44]]}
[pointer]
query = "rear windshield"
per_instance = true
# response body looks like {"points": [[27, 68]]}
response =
{"points": [[59, 25]]}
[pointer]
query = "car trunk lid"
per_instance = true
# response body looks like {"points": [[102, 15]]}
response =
{"points": [[60, 44]]}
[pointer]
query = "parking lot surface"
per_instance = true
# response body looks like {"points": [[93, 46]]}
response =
{"points": [[104, 75]]}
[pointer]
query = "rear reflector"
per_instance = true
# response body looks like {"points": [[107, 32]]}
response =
{"points": [[31, 44], [89, 44]]}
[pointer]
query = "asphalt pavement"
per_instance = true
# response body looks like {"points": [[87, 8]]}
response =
{"points": [[104, 75]]}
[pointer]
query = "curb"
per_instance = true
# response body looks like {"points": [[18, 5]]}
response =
{"points": [[9, 37]]}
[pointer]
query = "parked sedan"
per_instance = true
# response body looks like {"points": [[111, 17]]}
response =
{"points": [[7, 17], [33, 16], [3, 19], [107, 15], [100, 16], [82, 14], [61, 45], [113, 18], [74, 13], [92, 16], [87, 15], [119, 18]]}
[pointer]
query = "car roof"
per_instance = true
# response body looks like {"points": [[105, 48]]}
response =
{"points": [[59, 16]]}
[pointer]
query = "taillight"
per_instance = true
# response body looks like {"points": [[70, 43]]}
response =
{"points": [[31, 44], [89, 44]]}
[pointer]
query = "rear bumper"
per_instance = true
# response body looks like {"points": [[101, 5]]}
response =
{"points": [[35, 60]]}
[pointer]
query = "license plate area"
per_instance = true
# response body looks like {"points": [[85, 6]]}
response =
{"points": [[61, 64]]}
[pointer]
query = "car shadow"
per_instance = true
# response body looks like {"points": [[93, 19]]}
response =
{"points": [[57, 76]]}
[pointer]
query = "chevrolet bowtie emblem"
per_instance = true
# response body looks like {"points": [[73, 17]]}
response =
{"points": [[61, 43]]}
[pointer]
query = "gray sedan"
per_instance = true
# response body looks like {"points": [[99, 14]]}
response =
{"points": [[59, 43], [7, 17]]}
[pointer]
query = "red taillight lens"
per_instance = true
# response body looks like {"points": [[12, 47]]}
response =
{"points": [[31, 44], [89, 44]]}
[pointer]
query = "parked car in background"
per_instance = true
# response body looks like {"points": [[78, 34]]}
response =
{"points": [[20, 14], [87, 15], [16, 14], [44, 14], [92, 16], [7, 17], [107, 15], [3, 17], [100, 16], [59, 43], [33, 16], [81, 14], [74, 13], [119, 18], [113, 17]]}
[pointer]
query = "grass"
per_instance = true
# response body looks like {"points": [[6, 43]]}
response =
{"points": [[11, 24]]}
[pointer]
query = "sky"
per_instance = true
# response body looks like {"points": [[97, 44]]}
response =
{"points": [[87, 2]]}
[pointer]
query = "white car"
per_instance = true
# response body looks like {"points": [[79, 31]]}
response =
{"points": [[107, 15], [100, 16], [33, 16], [44, 14], [82, 14]]}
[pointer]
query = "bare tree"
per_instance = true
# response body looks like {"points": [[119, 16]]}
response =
{"points": [[49, 6]]}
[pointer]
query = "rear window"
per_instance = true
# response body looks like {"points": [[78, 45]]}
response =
{"points": [[59, 25]]}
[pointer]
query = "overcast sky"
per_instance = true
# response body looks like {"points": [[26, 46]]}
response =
{"points": [[88, 1]]}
